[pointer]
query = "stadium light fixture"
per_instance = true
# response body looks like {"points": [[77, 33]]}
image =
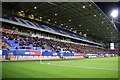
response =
{"points": [[22, 11], [102, 22], [55, 14], [87, 29], [55, 21], [83, 6], [48, 19], [40, 17], [79, 25], [66, 26], [61, 24], [69, 19], [35, 7], [114, 13], [90, 5], [94, 15], [71, 28]]}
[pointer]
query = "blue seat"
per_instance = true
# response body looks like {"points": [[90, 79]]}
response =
{"points": [[30, 23], [21, 20], [4, 52], [5, 17], [3, 39], [14, 19], [19, 52], [68, 54], [47, 54]]}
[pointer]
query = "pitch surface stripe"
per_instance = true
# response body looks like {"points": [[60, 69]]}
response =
{"points": [[81, 67]]}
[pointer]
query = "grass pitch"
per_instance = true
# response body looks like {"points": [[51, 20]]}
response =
{"points": [[81, 68]]}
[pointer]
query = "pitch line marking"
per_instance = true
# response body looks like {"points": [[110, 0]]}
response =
{"points": [[83, 67]]}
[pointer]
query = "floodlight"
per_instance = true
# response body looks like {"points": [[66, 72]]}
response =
{"points": [[114, 13]]}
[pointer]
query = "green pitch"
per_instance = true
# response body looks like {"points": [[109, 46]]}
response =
{"points": [[81, 68]]}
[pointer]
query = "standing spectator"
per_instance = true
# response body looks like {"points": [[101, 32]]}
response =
{"points": [[3, 44]]}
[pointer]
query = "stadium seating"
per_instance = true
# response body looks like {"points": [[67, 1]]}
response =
{"points": [[44, 26], [47, 51], [34, 46]]}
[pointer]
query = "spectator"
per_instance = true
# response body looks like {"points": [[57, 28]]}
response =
{"points": [[3, 44], [16, 48], [16, 41], [21, 43], [50, 44]]}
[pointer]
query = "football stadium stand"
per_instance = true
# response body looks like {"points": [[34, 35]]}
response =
{"points": [[22, 46], [25, 38]]}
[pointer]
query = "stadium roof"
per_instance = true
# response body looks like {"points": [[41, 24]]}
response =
{"points": [[83, 17]]}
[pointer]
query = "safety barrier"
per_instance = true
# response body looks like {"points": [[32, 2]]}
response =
{"points": [[27, 55]]}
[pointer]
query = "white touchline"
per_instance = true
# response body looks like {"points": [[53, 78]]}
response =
{"points": [[61, 61], [84, 67]]}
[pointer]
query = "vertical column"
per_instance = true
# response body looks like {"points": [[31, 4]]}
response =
{"points": [[0, 42]]}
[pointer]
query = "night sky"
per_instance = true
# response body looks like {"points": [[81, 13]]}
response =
{"points": [[107, 7]]}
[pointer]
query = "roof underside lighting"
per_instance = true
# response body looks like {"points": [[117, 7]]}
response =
{"points": [[55, 21], [87, 29], [61, 24], [94, 15], [35, 7], [55, 14], [90, 4], [69, 19], [22, 11], [48, 19], [66, 26], [83, 6]]}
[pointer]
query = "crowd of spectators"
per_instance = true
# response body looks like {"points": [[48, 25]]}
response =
{"points": [[55, 46], [4, 45]]}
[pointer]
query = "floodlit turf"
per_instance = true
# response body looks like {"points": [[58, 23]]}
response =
{"points": [[81, 68]]}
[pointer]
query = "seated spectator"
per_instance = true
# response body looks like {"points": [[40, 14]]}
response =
{"points": [[58, 50], [8, 35], [16, 48], [6, 46], [48, 44], [28, 47], [11, 38], [42, 47], [27, 44], [22, 47], [7, 57], [35, 46], [16, 41], [46, 50], [21, 43]]}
